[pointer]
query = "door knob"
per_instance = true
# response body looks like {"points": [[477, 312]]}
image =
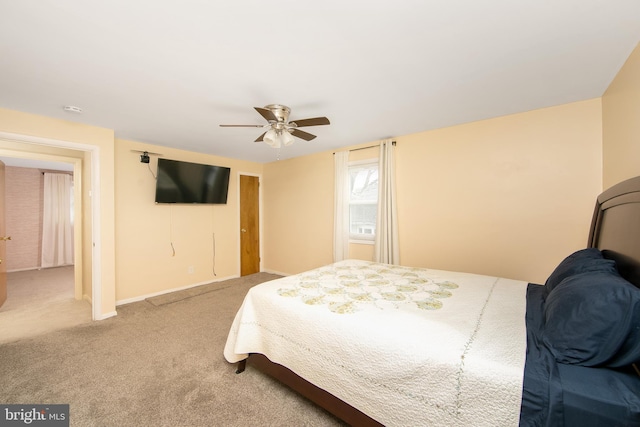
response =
{"points": [[243, 230], [5, 238]]}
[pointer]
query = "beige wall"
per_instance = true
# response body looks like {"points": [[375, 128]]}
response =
{"points": [[621, 123], [91, 137], [298, 217], [145, 263], [508, 197]]}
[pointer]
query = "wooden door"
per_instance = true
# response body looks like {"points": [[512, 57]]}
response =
{"points": [[3, 242], [249, 225]]}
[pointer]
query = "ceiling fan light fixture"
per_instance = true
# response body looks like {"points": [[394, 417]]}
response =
{"points": [[271, 138], [287, 138]]}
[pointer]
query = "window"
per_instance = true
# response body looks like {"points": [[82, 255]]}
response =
{"points": [[363, 200]]}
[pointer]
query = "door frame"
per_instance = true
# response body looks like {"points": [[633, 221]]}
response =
{"points": [[94, 192], [260, 218]]}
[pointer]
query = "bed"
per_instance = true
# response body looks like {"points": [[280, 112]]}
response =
{"points": [[379, 344]]}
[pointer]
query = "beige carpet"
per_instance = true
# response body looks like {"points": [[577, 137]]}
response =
{"points": [[39, 301], [158, 363]]}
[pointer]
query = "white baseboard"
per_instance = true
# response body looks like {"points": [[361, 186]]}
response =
{"points": [[16, 270], [107, 315], [155, 294]]}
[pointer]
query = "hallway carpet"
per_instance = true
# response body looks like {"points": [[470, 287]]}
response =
{"points": [[40, 301]]}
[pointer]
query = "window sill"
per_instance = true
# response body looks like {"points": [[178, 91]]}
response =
{"points": [[361, 242]]}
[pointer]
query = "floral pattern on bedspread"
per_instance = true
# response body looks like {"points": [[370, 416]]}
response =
{"points": [[346, 289]]}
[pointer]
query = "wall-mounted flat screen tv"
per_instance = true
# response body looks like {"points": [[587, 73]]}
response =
{"points": [[184, 182]]}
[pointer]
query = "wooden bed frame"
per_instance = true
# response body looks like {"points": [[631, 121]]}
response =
{"points": [[615, 227], [320, 397], [615, 230]]}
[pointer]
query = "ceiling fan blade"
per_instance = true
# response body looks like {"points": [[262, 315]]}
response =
{"points": [[242, 126], [302, 134], [316, 121], [260, 138], [267, 114]]}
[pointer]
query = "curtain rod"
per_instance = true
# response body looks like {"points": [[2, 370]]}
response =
{"points": [[55, 171], [364, 148]]}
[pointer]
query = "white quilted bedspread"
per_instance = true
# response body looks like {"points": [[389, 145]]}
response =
{"points": [[406, 346]]}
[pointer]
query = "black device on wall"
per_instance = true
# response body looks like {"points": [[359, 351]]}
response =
{"points": [[184, 182]]}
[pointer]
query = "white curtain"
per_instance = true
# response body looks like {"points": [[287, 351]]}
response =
{"points": [[341, 207], [386, 246], [57, 229]]}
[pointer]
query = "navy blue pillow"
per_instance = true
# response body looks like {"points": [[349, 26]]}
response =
{"points": [[582, 261], [593, 319]]}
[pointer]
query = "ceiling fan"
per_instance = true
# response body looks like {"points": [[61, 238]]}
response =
{"points": [[281, 131]]}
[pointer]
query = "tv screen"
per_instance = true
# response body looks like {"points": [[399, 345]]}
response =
{"points": [[184, 182]]}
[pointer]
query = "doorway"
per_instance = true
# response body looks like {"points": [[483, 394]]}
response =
{"points": [[26, 187], [39, 299], [249, 224], [87, 266]]}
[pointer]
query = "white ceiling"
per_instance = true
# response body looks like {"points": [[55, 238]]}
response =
{"points": [[169, 72]]}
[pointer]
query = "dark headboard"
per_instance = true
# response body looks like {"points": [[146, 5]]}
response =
{"points": [[615, 227]]}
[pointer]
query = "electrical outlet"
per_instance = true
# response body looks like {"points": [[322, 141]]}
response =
{"points": [[190, 270]]}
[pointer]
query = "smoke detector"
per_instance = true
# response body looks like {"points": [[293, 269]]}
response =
{"points": [[72, 109]]}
